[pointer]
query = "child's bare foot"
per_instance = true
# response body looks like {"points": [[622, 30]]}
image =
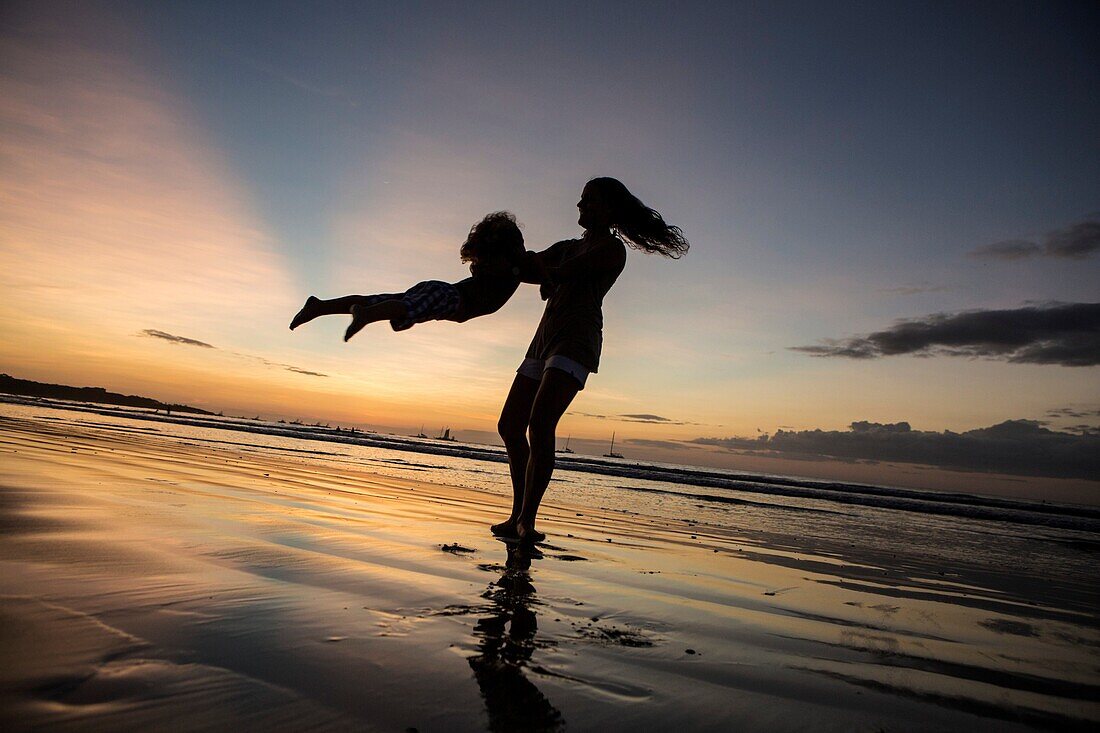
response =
{"points": [[358, 320], [308, 313], [528, 535], [506, 529]]}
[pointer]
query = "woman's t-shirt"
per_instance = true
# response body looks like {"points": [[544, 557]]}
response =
{"points": [[572, 323]]}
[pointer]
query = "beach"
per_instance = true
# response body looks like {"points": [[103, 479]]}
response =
{"points": [[158, 579]]}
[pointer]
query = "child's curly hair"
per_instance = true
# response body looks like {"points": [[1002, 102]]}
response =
{"points": [[496, 234]]}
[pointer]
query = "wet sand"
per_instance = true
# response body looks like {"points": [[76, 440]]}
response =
{"points": [[149, 582]]}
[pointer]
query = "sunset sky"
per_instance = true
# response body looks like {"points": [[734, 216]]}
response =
{"points": [[177, 177]]}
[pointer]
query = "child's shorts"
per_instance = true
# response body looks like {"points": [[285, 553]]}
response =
{"points": [[431, 300]]}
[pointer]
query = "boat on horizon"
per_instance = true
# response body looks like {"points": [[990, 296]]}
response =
{"points": [[566, 449], [611, 453]]}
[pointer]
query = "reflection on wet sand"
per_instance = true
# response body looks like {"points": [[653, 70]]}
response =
{"points": [[152, 580], [506, 641]]}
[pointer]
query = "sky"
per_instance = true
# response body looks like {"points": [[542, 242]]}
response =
{"points": [[893, 209]]}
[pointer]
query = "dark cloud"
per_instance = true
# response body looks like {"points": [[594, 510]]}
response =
{"points": [[1075, 242], [913, 289], [308, 373], [1013, 249], [153, 333], [643, 417], [1015, 447], [1073, 412], [1067, 334], [665, 444], [280, 365], [1065, 414]]}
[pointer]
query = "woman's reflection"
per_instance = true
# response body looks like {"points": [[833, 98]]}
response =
{"points": [[506, 640]]}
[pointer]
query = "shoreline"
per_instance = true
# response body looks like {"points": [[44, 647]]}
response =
{"points": [[1080, 517]]}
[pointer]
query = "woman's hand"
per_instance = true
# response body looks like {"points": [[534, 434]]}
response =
{"points": [[546, 290], [532, 268]]}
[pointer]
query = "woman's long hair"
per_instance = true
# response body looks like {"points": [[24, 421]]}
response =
{"points": [[642, 227]]}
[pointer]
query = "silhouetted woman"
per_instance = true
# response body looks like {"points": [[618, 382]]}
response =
{"points": [[575, 276]]}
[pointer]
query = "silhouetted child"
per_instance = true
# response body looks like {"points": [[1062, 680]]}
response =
{"points": [[496, 255]]}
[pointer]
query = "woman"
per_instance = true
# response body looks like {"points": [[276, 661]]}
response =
{"points": [[575, 276]]}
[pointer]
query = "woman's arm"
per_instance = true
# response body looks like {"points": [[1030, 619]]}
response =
{"points": [[534, 266], [532, 269], [605, 255]]}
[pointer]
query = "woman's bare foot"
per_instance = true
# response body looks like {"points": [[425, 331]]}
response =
{"points": [[506, 529], [309, 311], [528, 535]]}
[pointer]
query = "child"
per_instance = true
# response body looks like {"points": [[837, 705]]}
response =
{"points": [[496, 255]]}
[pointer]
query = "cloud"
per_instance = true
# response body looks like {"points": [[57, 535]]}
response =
{"points": [[1015, 447], [1076, 242], [296, 370], [1067, 334], [278, 365], [153, 333], [1073, 412], [184, 341], [912, 289], [1065, 414], [1013, 249], [664, 444], [639, 417], [643, 417]]}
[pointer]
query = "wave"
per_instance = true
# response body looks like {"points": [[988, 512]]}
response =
{"points": [[970, 506]]}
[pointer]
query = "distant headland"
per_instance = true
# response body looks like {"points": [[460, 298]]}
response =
{"points": [[28, 388]]}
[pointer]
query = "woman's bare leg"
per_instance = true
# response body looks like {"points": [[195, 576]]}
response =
{"points": [[556, 392], [512, 427], [384, 310]]}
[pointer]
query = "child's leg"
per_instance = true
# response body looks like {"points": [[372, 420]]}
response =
{"points": [[315, 307], [391, 309]]}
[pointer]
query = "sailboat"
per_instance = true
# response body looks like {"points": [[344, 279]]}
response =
{"points": [[611, 453], [566, 449], [421, 433], [446, 435]]}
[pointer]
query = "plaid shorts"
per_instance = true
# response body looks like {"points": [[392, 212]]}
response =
{"points": [[430, 300]]}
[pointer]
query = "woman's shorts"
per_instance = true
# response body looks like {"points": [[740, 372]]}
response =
{"points": [[533, 368], [431, 300]]}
